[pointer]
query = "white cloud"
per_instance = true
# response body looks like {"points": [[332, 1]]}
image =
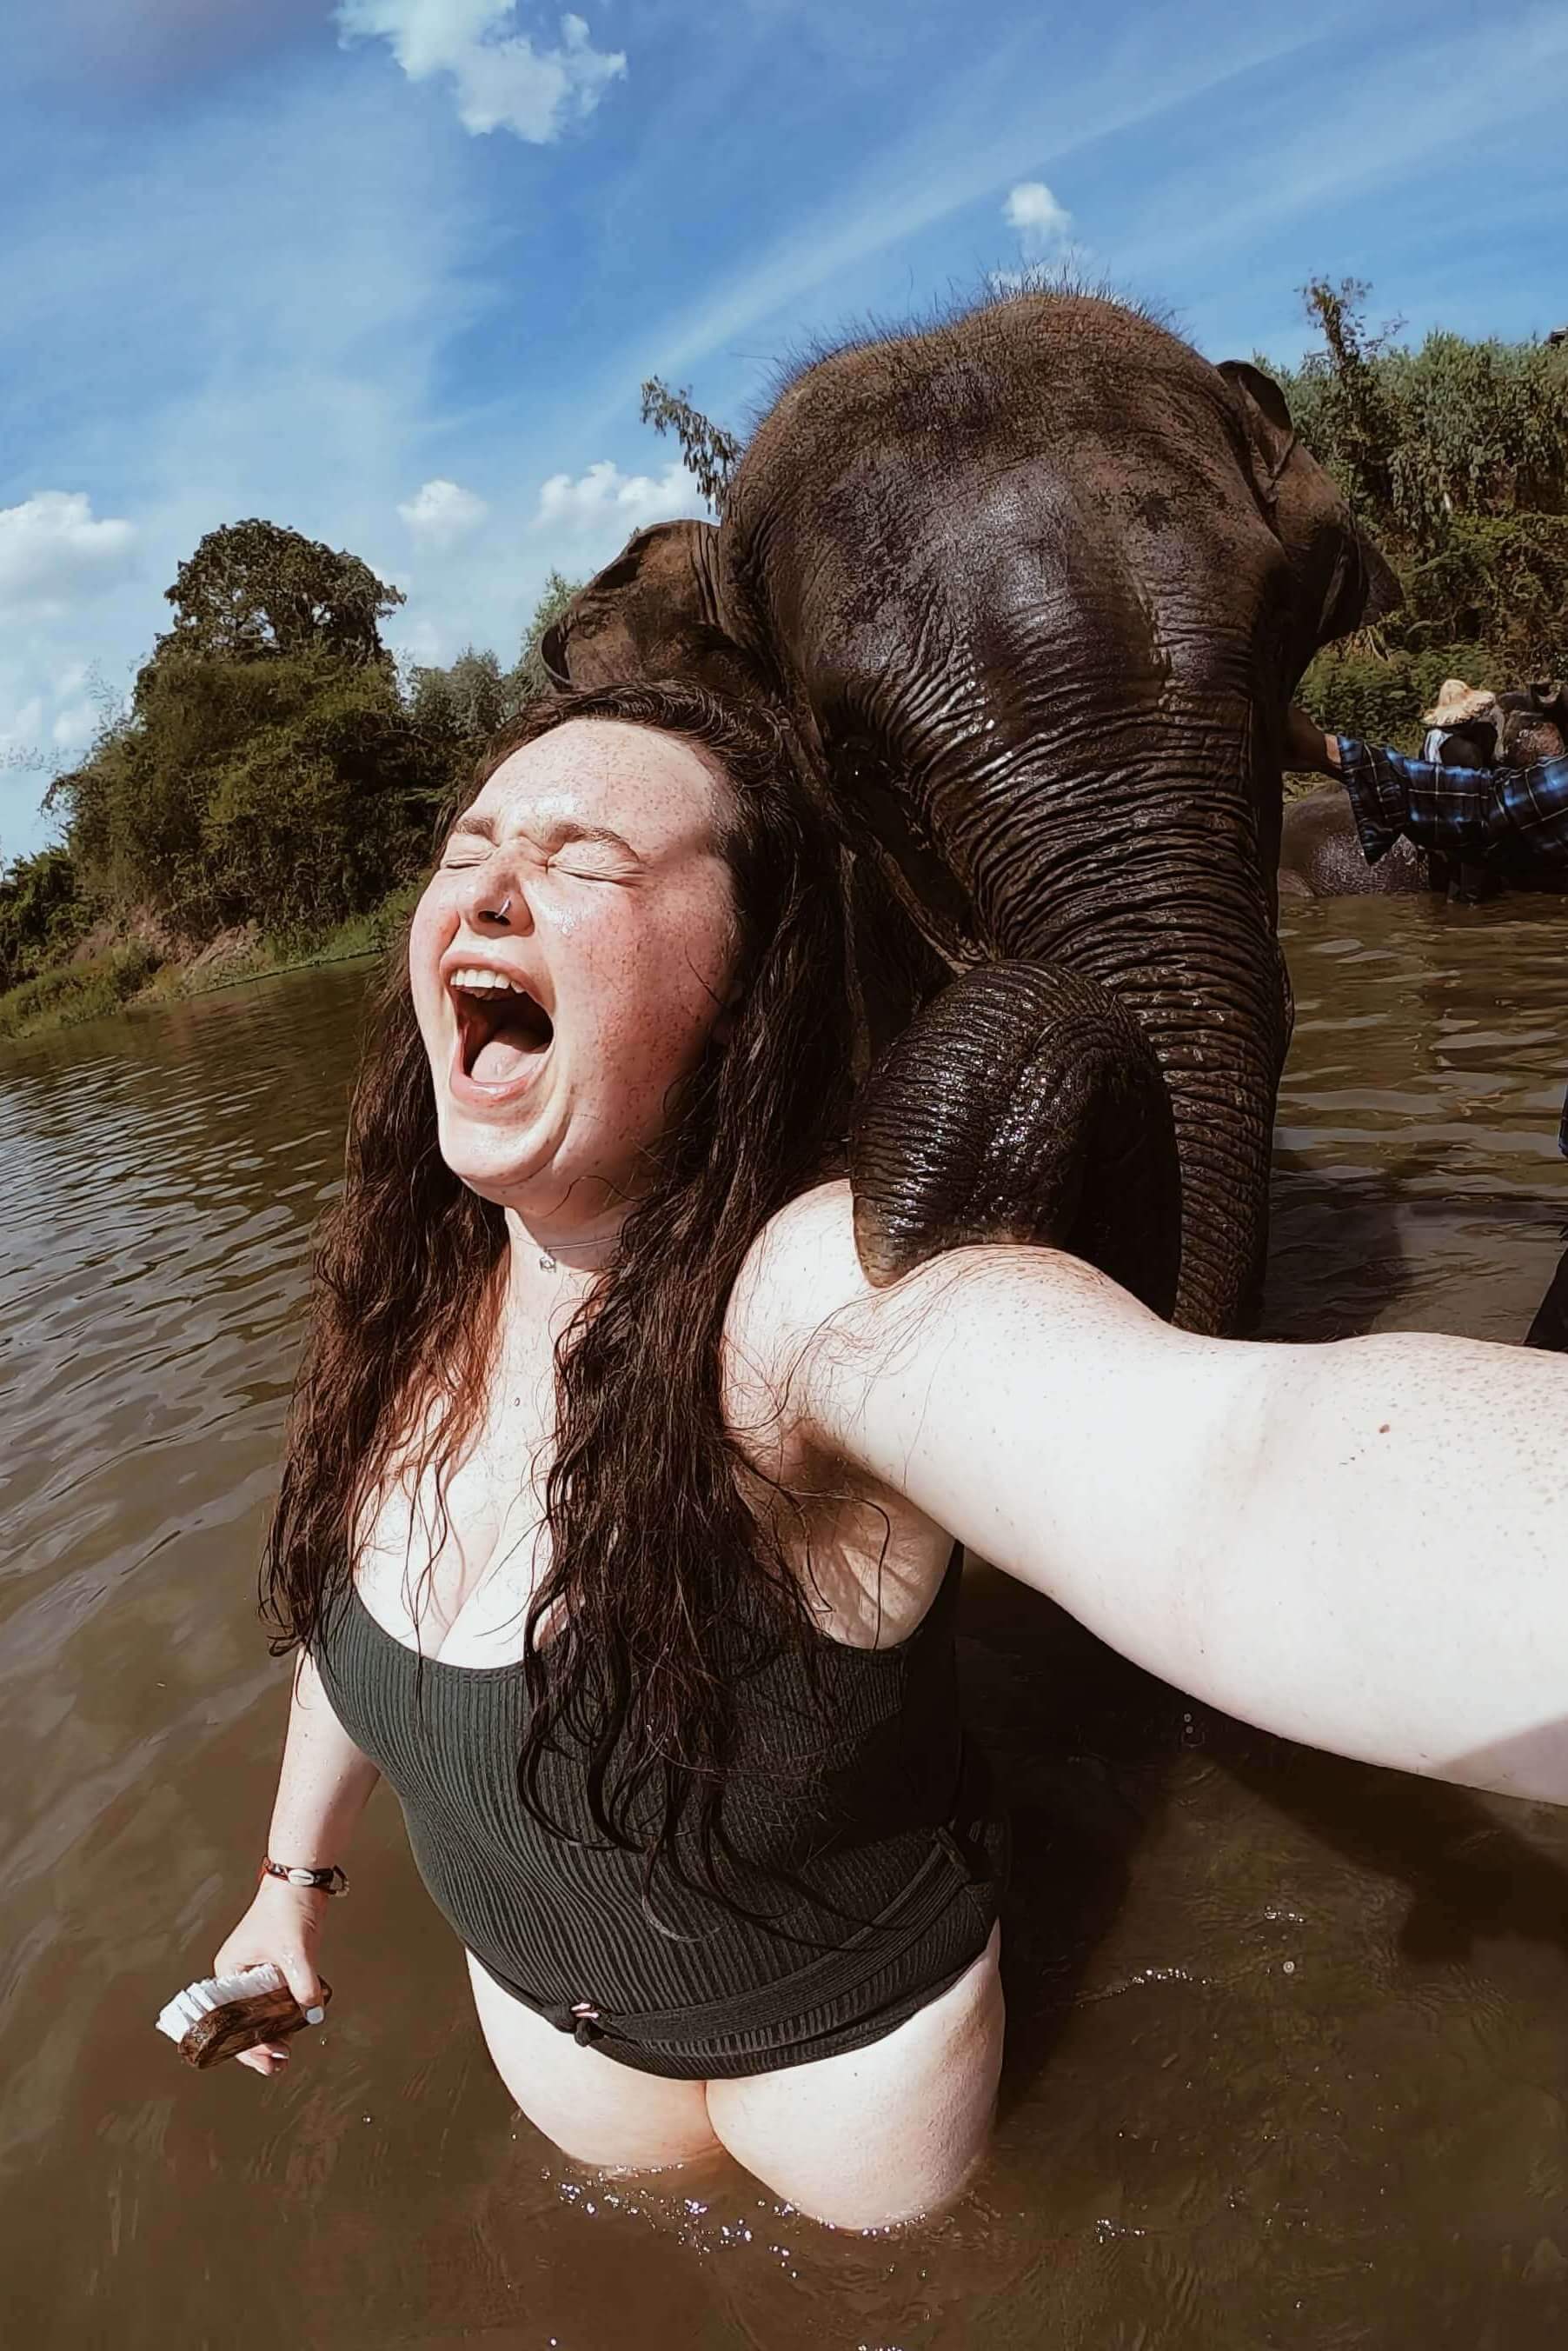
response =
{"points": [[53, 549], [605, 498], [75, 727], [22, 732], [503, 81], [442, 512], [306, 395], [1039, 220]]}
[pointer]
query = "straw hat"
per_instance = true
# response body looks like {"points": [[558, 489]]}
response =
{"points": [[1457, 702]]}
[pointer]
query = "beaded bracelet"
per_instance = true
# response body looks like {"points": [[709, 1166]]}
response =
{"points": [[331, 1880]]}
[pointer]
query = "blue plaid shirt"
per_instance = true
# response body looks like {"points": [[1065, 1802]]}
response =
{"points": [[1509, 816]]}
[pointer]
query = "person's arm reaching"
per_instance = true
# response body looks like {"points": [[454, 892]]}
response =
{"points": [[1464, 812], [1362, 1545], [323, 1785]]}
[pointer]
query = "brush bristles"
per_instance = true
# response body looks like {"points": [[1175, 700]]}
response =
{"points": [[198, 1999]]}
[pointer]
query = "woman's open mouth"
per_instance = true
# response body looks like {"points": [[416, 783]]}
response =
{"points": [[502, 1032]]}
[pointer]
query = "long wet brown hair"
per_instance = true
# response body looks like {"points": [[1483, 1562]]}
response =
{"points": [[664, 1584]]}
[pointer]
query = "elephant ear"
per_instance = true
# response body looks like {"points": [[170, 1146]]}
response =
{"points": [[1340, 579], [653, 612]]}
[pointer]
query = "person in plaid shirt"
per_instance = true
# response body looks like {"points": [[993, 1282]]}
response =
{"points": [[1511, 817]]}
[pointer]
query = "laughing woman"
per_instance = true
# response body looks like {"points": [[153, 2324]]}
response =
{"points": [[618, 1526]]}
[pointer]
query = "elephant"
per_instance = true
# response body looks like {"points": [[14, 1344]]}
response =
{"points": [[1034, 586], [1321, 855], [1533, 720]]}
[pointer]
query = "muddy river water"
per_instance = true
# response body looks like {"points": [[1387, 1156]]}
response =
{"points": [[1288, 2056]]}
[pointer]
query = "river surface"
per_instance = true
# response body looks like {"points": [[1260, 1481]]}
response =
{"points": [[1288, 2038]]}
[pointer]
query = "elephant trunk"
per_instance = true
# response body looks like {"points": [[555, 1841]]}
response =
{"points": [[1145, 879], [1023, 1104]]}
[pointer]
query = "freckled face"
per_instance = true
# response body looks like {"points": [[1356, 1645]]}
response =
{"points": [[568, 960]]}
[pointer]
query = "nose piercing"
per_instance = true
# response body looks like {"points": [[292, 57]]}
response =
{"points": [[496, 914]]}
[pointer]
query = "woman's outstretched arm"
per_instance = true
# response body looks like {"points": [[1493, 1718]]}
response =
{"points": [[1362, 1545]]}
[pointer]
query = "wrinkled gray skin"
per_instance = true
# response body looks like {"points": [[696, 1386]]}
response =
{"points": [[1320, 854], [1037, 586]]}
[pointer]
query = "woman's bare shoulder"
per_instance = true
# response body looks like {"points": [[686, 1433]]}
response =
{"points": [[800, 1272], [871, 1559]]}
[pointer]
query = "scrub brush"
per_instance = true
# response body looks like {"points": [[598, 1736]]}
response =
{"points": [[223, 2016]]}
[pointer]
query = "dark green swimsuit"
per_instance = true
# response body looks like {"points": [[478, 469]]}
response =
{"points": [[883, 1832]]}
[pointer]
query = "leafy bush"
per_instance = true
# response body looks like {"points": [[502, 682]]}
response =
{"points": [[73, 992], [360, 934], [42, 912], [1380, 697], [1417, 437], [1456, 458], [286, 791], [1501, 580]]}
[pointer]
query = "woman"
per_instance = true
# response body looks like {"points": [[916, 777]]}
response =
{"points": [[599, 1412]]}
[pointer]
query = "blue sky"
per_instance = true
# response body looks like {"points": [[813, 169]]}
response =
{"points": [[392, 271]]}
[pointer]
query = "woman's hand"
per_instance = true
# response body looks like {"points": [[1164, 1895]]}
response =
{"points": [[282, 1925]]}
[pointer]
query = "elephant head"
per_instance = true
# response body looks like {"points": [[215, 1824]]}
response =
{"points": [[1037, 586], [1533, 722], [653, 612]]}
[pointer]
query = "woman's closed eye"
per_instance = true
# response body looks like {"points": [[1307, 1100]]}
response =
{"points": [[593, 861]]}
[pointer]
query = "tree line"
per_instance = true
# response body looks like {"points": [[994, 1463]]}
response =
{"points": [[274, 767], [1455, 456]]}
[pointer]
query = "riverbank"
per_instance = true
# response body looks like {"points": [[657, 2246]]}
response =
{"points": [[140, 973]]}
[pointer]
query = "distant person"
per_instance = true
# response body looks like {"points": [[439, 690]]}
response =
{"points": [[1461, 732], [619, 1519], [1462, 726], [1513, 814]]}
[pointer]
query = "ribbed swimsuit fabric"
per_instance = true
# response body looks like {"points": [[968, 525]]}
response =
{"points": [[868, 1796]]}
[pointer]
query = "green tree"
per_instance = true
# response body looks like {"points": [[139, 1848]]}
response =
{"points": [[472, 699], [282, 792], [710, 453], [319, 814], [269, 767], [1455, 454], [1356, 410], [254, 591], [533, 678], [42, 911], [1418, 438]]}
